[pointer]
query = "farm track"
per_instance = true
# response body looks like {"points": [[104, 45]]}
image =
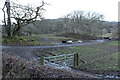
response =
{"points": [[26, 52], [57, 46]]}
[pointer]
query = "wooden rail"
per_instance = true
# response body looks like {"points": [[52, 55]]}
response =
{"points": [[61, 58]]}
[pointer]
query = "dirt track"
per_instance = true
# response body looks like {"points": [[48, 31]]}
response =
{"points": [[26, 51]]}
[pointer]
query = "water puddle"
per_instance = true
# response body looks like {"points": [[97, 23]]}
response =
{"points": [[107, 77], [57, 66]]}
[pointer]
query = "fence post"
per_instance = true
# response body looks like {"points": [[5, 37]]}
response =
{"points": [[65, 59], [42, 61], [76, 57]]}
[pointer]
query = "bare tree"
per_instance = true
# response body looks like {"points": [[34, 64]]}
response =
{"points": [[8, 21], [87, 23], [66, 22], [22, 15], [94, 22]]}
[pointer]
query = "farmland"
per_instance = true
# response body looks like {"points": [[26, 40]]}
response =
{"points": [[100, 56], [29, 39]]}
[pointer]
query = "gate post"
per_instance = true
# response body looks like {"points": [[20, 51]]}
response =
{"points": [[76, 57], [42, 61]]}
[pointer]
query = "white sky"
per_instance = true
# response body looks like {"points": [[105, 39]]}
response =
{"points": [[59, 8]]}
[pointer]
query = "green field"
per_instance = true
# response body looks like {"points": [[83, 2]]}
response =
{"points": [[100, 56]]}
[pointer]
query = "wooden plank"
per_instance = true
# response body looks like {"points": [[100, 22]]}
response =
{"points": [[58, 59], [54, 56], [60, 55], [70, 57], [61, 58], [70, 54]]}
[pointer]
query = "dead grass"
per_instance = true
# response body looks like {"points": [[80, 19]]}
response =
{"points": [[14, 67]]}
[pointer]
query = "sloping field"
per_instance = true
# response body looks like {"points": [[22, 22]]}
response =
{"points": [[101, 56]]}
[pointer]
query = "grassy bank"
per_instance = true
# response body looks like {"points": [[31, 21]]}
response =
{"points": [[43, 39]]}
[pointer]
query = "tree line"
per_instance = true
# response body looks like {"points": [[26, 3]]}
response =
{"points": [[80, 22], [20, 19]]}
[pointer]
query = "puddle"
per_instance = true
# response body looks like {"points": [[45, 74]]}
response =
{"points": [[107, 77], [57, 66]]}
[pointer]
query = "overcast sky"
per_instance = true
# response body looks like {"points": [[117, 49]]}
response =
{"points": [[59, 8]]}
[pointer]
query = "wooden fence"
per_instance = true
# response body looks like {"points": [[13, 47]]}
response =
{"points": [[61, 58]]}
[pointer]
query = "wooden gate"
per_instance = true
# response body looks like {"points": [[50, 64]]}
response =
{"points": [[65, 58]]}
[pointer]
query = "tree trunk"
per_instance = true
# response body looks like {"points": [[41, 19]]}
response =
{"points": [[17, 30], [9, 20], [101, 32]]}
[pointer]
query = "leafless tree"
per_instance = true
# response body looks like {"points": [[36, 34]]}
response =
{"points": [[22, 15], [7, 23]]}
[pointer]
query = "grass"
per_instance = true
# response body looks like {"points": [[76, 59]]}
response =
{"points": [[108, 62], [53, 37], [113, 43], [105, 59], [27, 41], [86, 53], [108, 34], [43, 39], [98, 56]]}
